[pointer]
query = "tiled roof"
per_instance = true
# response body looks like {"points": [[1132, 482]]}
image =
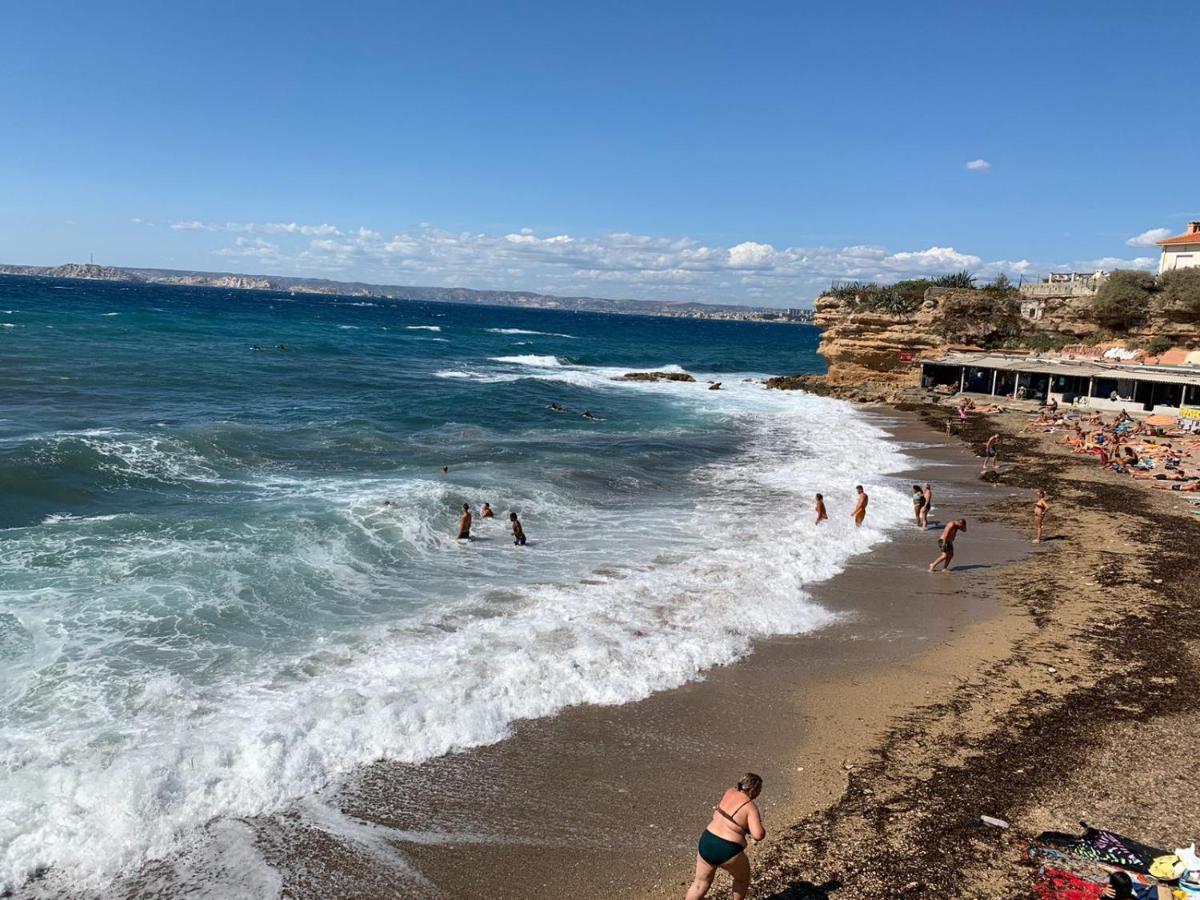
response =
{"points": [[1193, 238]]}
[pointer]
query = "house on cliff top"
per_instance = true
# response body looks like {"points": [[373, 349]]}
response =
{"points": [[1181, 251]]}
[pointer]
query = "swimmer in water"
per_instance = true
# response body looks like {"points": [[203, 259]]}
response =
{"points": [[556, 407], [464, 523], [486, 512], [517, 530], [445, 470], [821, 514], [587, 414]]}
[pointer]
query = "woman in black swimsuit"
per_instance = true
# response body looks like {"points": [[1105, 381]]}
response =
{"points": [[723, 843]]}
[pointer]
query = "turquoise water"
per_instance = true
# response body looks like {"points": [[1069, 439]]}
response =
{"points": [[207, 611]]}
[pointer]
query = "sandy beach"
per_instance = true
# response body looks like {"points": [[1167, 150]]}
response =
{"points": [[1023, 685]]}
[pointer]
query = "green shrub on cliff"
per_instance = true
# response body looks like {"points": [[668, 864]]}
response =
{"points": [[913, 288], [889, 300], [963, 279], [1181, 290], [1041, 342], [848, 290], [1124, 299], [1159, 345]]}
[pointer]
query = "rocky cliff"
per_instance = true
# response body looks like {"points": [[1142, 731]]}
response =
{"points": [[865, 341], [862, 341]]}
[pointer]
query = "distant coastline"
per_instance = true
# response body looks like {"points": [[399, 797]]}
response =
{"points": [[401, 293]]}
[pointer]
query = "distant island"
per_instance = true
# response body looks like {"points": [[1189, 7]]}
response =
{"points": [[525, 299]]}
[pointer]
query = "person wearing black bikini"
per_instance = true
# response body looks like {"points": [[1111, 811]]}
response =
{"points": [[723, 843]]}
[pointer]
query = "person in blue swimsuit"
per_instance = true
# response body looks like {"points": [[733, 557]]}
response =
{"points": [[723, 842]]}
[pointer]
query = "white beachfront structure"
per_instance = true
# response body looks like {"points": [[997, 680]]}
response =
{"points": [[1181, 251], [1105, 383]]}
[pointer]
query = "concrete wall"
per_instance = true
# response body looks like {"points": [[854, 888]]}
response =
{"points": [[1186, 257], [1064, 289]]}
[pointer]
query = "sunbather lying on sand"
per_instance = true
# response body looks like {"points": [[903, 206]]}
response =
{"points": [[1189, 486]]}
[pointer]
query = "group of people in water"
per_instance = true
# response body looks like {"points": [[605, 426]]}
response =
{"points": [[465, 520], [860, 507]]}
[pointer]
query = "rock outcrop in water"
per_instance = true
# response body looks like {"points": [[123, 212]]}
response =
{"points": [[656, 376]]}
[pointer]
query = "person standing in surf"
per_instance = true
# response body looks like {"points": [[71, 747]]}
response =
{"points": [[723, 843], [464, 523], [928, 494], [860, 507], [918, 502], [518, 531], [822, 516]]}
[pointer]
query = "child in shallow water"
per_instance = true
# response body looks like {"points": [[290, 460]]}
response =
{"points": [[517, 530]]}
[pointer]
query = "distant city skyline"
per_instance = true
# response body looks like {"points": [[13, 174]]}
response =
{"points": [[668, 151]]}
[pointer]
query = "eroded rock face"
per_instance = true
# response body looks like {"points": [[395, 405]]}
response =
{"points": [[863, 345], [656, 376]]}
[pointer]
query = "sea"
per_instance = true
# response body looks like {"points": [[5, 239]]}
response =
{"points": [[229, 572]]}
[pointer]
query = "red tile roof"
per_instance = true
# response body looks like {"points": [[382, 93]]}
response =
{"points": [[1191, 237]]}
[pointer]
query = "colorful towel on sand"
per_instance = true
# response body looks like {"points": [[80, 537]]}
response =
{"points": [[1054, 884], [1088, 869], [1103, 846]]}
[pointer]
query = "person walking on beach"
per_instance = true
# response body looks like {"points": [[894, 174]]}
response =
{"points": [[928, 493], [918, 502], [946, 544], [821, 514], [1039, 515], [991, 454], [860, 507], [723, 843], [518, 531], [464, 523]]}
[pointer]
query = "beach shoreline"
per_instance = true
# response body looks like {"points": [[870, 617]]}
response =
{"points": [[1054, 667], [546, 811], [1079, 707]]}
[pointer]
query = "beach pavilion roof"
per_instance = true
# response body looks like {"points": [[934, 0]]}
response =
{"points": [[1054, 365]]}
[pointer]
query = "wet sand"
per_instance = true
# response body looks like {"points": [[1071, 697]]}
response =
{"points": [[608, 801]]}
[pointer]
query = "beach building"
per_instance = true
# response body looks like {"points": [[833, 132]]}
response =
{"points": [[1105, 382], [1181, 251]]}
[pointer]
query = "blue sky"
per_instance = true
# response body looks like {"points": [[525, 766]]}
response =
{"points": [[726, 152]]}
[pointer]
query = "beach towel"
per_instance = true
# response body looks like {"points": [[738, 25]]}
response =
{"points": [[1087, 869], [1103, 846], [1054, 884]]}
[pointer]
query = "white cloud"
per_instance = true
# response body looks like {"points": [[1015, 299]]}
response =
{"points": [[618, 264], [255, 227], [979, 165], [1148, 238], [254, 249]]}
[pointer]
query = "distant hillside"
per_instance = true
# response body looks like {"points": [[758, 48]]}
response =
{"points": [[406, 292]]}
